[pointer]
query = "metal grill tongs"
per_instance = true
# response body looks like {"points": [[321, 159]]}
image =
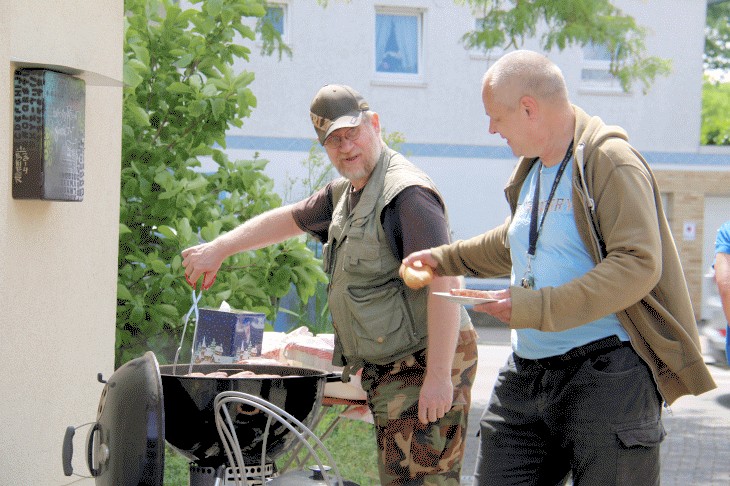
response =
{"points": [[193, 309]]}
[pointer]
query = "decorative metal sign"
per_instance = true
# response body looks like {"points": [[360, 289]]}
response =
{"points": [[48, 135]]}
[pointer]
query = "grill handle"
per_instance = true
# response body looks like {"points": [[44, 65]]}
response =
{"points": [[68, 450], [90, 451]]}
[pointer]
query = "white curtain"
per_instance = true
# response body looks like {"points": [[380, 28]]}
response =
{"points": [[396, 43]]}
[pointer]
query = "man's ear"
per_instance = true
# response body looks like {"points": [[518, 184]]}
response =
{"points": [[375, 120], [528, 105]]}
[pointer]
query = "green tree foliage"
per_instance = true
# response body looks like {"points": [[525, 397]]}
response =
{"points": [[717, 36], [715, 113], [716, 94], [181, 94], [507, 23]]}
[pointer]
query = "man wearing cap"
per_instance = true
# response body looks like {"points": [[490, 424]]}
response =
{"points": [[418, 354]]}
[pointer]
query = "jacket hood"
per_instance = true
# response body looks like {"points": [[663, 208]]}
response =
{"points": [[591, 131]]}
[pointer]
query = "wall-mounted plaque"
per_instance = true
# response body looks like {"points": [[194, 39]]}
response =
{"points": [[48, 135]]}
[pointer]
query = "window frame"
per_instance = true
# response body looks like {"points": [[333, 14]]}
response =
{"points": [[610, 85], [408, 79]]}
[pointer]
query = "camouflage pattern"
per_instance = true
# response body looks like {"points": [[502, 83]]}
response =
{"points": [[410, 453]]}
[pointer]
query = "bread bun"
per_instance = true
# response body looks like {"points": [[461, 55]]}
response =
{"points": [[418, 276]]}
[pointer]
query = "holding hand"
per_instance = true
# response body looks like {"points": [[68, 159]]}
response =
{"points": [[502, 309], [417, 269], [201, 260], [417, 276]]}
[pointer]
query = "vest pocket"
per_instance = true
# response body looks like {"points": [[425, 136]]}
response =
{"points": [[380, 321], [361, 258]]}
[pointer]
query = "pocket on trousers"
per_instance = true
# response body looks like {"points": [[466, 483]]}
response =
{"points": [[616, 364], [644, 434], [638, 453]]}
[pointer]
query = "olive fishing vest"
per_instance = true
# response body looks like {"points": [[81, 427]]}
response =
{"points": [[375, 316]]}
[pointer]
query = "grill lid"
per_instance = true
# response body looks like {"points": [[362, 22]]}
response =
{"points": [[126, 445]]}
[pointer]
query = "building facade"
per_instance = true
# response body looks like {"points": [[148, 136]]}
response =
{"points": [[407, 59], [58, 260]]}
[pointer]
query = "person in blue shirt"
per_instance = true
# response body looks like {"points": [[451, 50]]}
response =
{"points": [[722, 277]]}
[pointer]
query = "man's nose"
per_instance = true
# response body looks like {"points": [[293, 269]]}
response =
{"points": [[346, 145]]}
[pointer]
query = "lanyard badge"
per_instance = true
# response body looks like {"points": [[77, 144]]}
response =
{"points": [[528, 279]]}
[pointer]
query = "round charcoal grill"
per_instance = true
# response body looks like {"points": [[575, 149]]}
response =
{"points": [[144, 404], [190, 419]]}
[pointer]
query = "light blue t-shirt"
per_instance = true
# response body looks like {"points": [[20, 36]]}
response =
{"points": [[560, 257], [722, 242], [722, 245]]}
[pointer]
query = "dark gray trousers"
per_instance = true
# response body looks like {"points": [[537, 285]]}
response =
{"points": [[598, 418]]}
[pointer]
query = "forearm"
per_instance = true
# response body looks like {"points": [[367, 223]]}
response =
{"points": [[631, 268], [263, 230], [484, 255], [443, 328], [260, 231]]}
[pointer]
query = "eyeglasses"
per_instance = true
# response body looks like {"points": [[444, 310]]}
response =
{"points": [[335, 141]]}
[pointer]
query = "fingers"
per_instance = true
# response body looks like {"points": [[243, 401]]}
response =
{"points": [[430, 414], [208, 280], [423, 256], [195, 264], [192, 280], [433, 405], [502, 294], [501, 310]]}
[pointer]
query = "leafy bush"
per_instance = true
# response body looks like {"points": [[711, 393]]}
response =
{"points": [[181, 95]]}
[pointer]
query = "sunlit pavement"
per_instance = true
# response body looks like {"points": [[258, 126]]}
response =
{"points": [[696, 451]]}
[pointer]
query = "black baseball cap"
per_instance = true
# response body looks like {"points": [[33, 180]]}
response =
{"points": [[336, 106]]}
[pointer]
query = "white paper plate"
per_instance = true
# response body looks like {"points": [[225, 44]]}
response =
{"points": [[459, 299]]}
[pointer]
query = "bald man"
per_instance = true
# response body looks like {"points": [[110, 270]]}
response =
{"points": [[603, 331]]}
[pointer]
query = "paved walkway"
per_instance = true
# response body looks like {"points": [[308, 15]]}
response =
{"points": [[696, 451]]}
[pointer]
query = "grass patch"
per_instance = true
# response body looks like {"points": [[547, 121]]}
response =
{"points": [[351, 443]]}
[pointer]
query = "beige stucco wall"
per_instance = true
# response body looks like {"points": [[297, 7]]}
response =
{"points": [[685, 192], [58, 259]]}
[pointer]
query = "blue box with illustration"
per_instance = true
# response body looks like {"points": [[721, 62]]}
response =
{"points": [[228, 336]]}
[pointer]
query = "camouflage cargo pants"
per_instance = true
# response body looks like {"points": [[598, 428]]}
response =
{"points": [[409, 452]]}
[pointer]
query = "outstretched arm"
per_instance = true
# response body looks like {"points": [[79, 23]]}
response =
{"points": [[263, 230]]}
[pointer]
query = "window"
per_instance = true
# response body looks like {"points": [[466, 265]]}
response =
{"points": [[275, 15], [277, 18], [398, 43], [596, 71]]}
